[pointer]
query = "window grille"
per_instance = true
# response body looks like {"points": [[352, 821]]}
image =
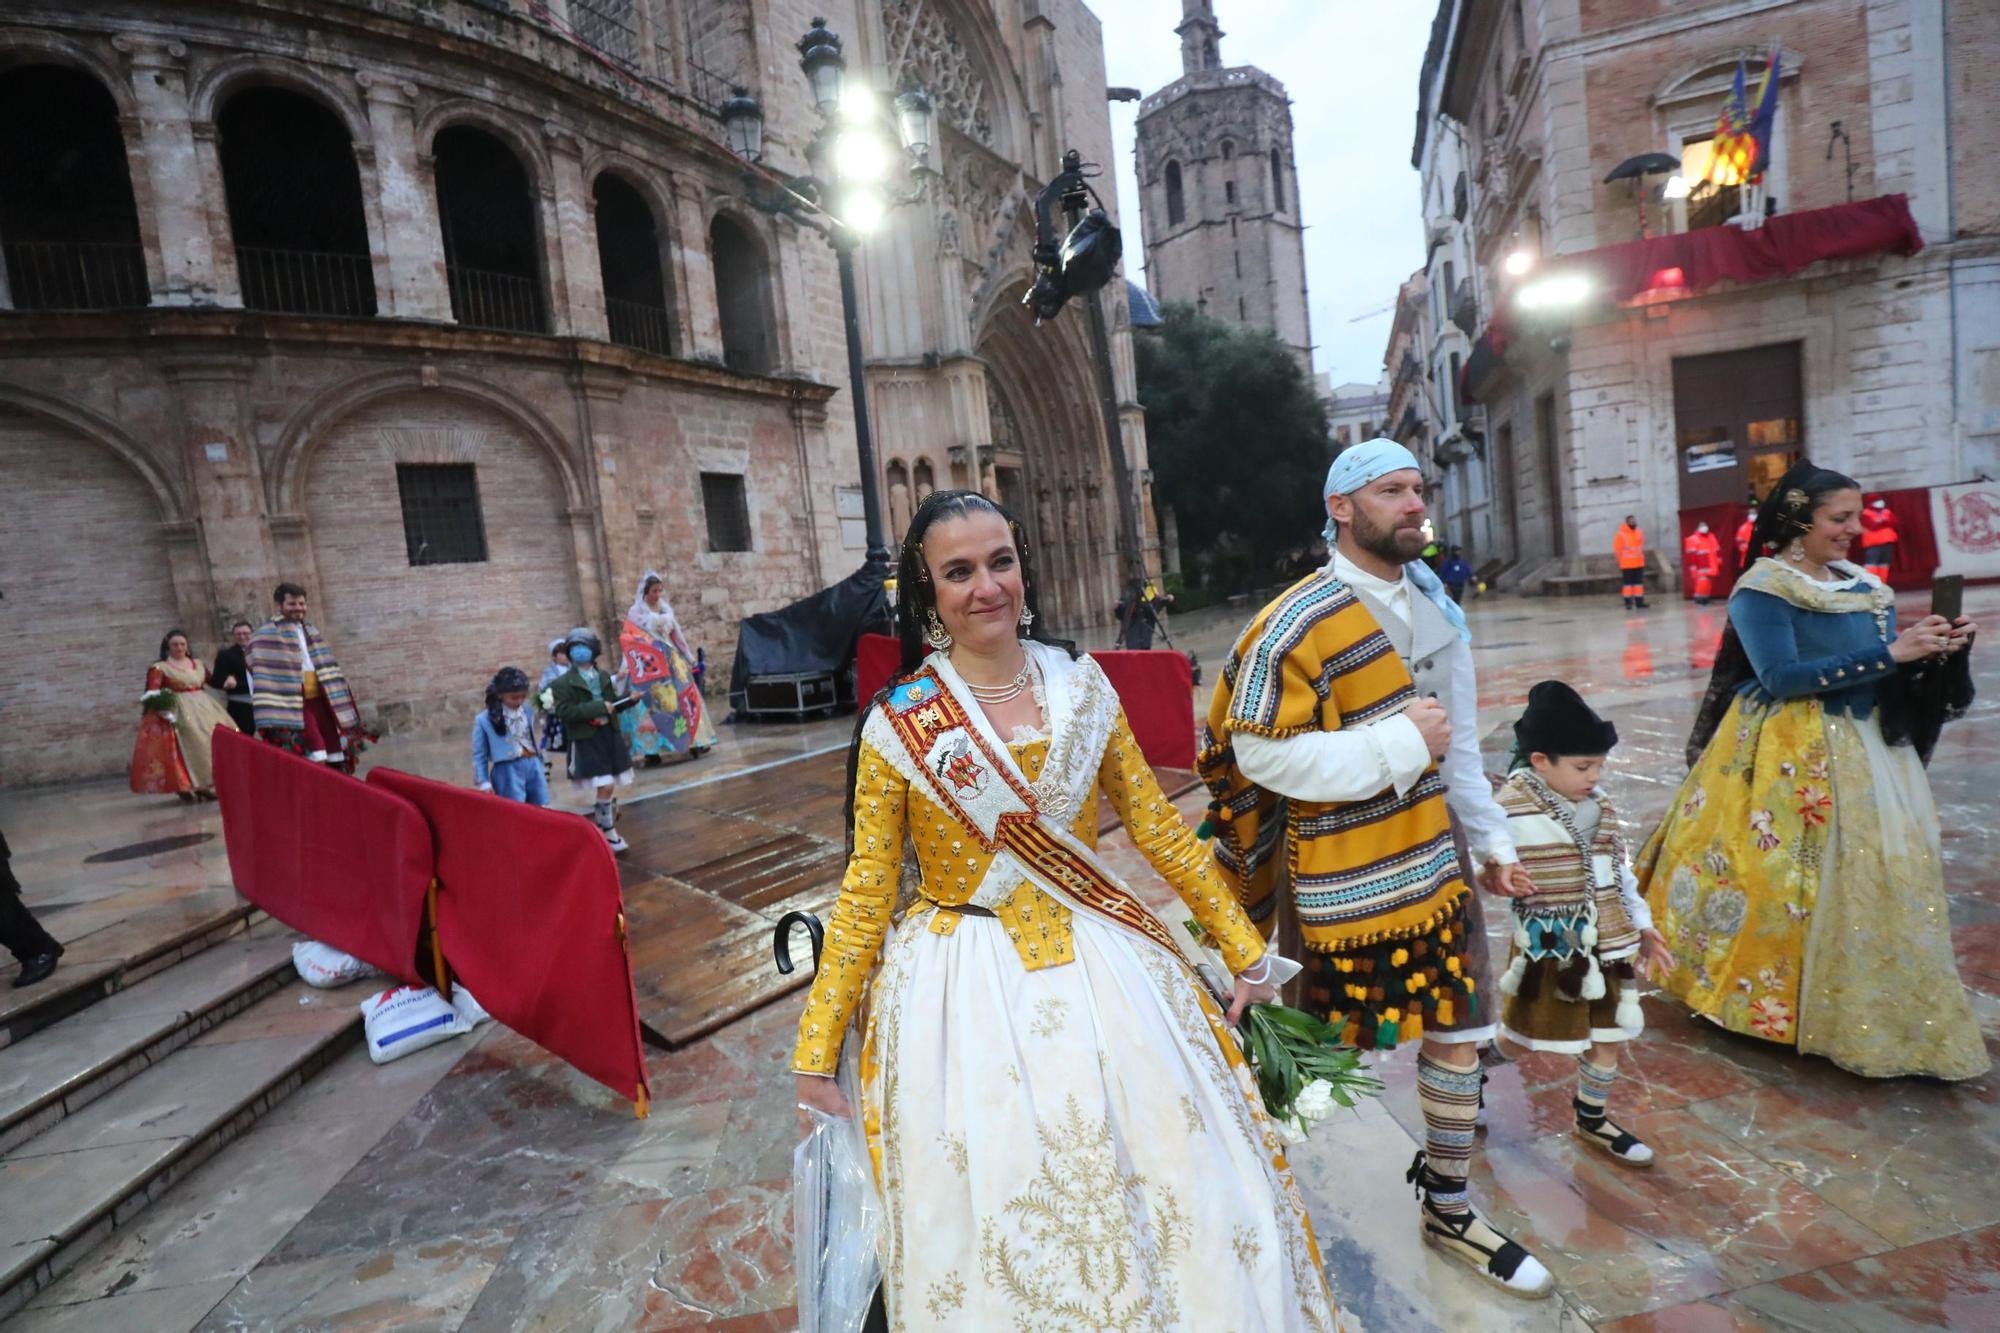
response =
{"points": [[442, 524], [727, 506]]}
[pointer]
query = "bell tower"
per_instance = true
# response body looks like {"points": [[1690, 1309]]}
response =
{"points": [[1201, 36]]}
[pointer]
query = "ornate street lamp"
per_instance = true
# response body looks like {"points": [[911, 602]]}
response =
{"points": [[850, 163], [743, 125], [820, 57]]}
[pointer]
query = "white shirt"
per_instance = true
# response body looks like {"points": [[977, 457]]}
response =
{"points": [[1357, 762], [305, 649]]}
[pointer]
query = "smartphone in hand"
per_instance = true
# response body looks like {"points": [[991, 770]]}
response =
{"points": [[1948, 596]]}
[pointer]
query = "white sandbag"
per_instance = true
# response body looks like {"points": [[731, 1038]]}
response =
{"points": [[326, 967], [470, 1012], [407, 1019]]}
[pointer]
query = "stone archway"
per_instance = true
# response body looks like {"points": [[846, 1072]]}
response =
{"points": [[408, 625], [1039, 380], [76, 635]]}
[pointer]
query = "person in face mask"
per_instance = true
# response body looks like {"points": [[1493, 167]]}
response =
{"points": [[587, 699], [1703, 554], [1878, 538]]}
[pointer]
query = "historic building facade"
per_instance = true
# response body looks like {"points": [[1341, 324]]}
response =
{"points": [[1219, 191], [463, 314], [1600, 401]]}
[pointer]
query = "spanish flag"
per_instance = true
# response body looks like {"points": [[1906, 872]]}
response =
{"points": [[1741, 148]]}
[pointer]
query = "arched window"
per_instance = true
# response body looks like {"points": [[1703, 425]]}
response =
{"points": [[1228, 149], [924, 481], [68, 227], [628, 253], [491, 248], [294, 205], [1176, 205], [1277, 182], [743, 297]]}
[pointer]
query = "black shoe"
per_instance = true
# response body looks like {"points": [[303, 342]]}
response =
{"points": [[37, 968], [1470, 1239]]}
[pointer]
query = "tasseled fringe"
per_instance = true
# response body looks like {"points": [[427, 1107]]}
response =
{"points": [[1400, 991]]}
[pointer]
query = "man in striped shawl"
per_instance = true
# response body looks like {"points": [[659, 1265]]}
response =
{"points": [[1342, 749], [301, 700]]}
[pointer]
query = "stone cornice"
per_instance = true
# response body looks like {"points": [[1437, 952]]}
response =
{"points": [[214, 338]]}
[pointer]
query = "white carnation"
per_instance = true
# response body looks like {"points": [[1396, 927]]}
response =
{"points": [[1315, 1102]]}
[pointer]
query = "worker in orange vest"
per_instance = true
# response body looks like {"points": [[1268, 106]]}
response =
{"points": [[1703, 554], [1878, 538], [1629, 545], [1743, 539]]}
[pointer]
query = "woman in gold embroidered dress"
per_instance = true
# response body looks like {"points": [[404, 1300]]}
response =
{"points": [[174, 750], [1064, 1132], [1798, 876]]}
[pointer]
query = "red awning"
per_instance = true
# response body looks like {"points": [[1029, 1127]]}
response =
{"points": [[1693, 261]]}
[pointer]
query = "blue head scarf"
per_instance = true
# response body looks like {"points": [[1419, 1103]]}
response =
{"points": [[1357, 466]]}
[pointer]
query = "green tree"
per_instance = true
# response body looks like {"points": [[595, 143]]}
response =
{"points": [[1238, 444]]}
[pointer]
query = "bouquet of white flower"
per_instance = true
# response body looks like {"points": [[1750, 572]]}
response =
{"points": [[1303, 1068], [158, 701]]}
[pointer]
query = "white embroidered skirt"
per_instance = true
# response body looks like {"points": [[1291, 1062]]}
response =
{"points": [[1071, 1148]]}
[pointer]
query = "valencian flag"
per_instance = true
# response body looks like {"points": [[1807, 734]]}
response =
{"points": [[1742, 145]]}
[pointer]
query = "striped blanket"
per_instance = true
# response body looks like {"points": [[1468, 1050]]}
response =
{"points": [[279, 696]]}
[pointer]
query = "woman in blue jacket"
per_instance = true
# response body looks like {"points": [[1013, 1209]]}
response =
{"points": [[1798, 876]]}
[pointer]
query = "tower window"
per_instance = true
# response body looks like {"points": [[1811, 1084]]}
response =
{"points": [[1228, 149], [1277, 182], [1176, 205], [1229, 191]]}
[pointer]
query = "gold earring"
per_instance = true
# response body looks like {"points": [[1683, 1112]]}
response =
{"points": [[1027, 618], [934, 631], [1796, 553]]}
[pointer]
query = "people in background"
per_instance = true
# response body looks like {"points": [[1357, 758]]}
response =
{"points": [[588, 698], [175, 750], [1878, 538], [1628, 545], [301, 699], [231, 675], [1703, 555], [1456, 573], [20, 934], [505, 758]]}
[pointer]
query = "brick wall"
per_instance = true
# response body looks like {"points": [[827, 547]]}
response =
{"points": [[85, 597]]}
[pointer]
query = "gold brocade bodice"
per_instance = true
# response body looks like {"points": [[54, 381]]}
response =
{"points": [[953, 864]]}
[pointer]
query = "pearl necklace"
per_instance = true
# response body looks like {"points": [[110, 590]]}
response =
{"points": [[1006, 692]]}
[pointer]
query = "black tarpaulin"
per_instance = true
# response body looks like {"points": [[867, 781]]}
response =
{"points": [[814, 634]]}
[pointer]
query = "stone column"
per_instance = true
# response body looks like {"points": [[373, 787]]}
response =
{"points": [[699, 307], [219, 449], [578, 300], [190, 212], [409, 260]]}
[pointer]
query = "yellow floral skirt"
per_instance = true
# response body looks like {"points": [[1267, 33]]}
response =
{"points": [[1799, 881]]}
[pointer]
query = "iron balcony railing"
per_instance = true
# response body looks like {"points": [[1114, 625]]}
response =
{"points": [[306, 282], [76, 275], [485, 300], [637, 324]]}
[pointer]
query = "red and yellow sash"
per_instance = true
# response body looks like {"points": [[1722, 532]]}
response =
{"points": [[990, 797]]}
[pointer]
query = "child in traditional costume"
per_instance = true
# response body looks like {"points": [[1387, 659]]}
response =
{"points": [[1584, 933], [554, 739], [505, 760], [586, 698]]}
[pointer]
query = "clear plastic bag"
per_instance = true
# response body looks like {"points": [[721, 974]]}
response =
{"points": [[836, 1218]]}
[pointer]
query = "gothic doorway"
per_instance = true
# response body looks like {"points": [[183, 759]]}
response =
{"points": [[1043, 413]]}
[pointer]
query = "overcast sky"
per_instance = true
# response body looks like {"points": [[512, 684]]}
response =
{"points": [[1351, 68]]}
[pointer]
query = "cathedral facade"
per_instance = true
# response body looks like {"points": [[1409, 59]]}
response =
{"points": [[1220, 193], [463, 314]]}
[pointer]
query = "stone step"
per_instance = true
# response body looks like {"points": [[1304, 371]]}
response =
{"points": [[108, 960], [69, 1187], [71, 1063]]}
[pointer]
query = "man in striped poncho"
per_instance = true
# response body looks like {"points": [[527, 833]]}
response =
{"points": [[301, 700]]}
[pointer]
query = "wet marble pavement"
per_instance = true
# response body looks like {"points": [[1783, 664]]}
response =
{"points": [[482, 1185]]}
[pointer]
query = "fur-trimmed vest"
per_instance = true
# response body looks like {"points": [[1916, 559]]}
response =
{"points": [[1576, 910], [1361, 871]]}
